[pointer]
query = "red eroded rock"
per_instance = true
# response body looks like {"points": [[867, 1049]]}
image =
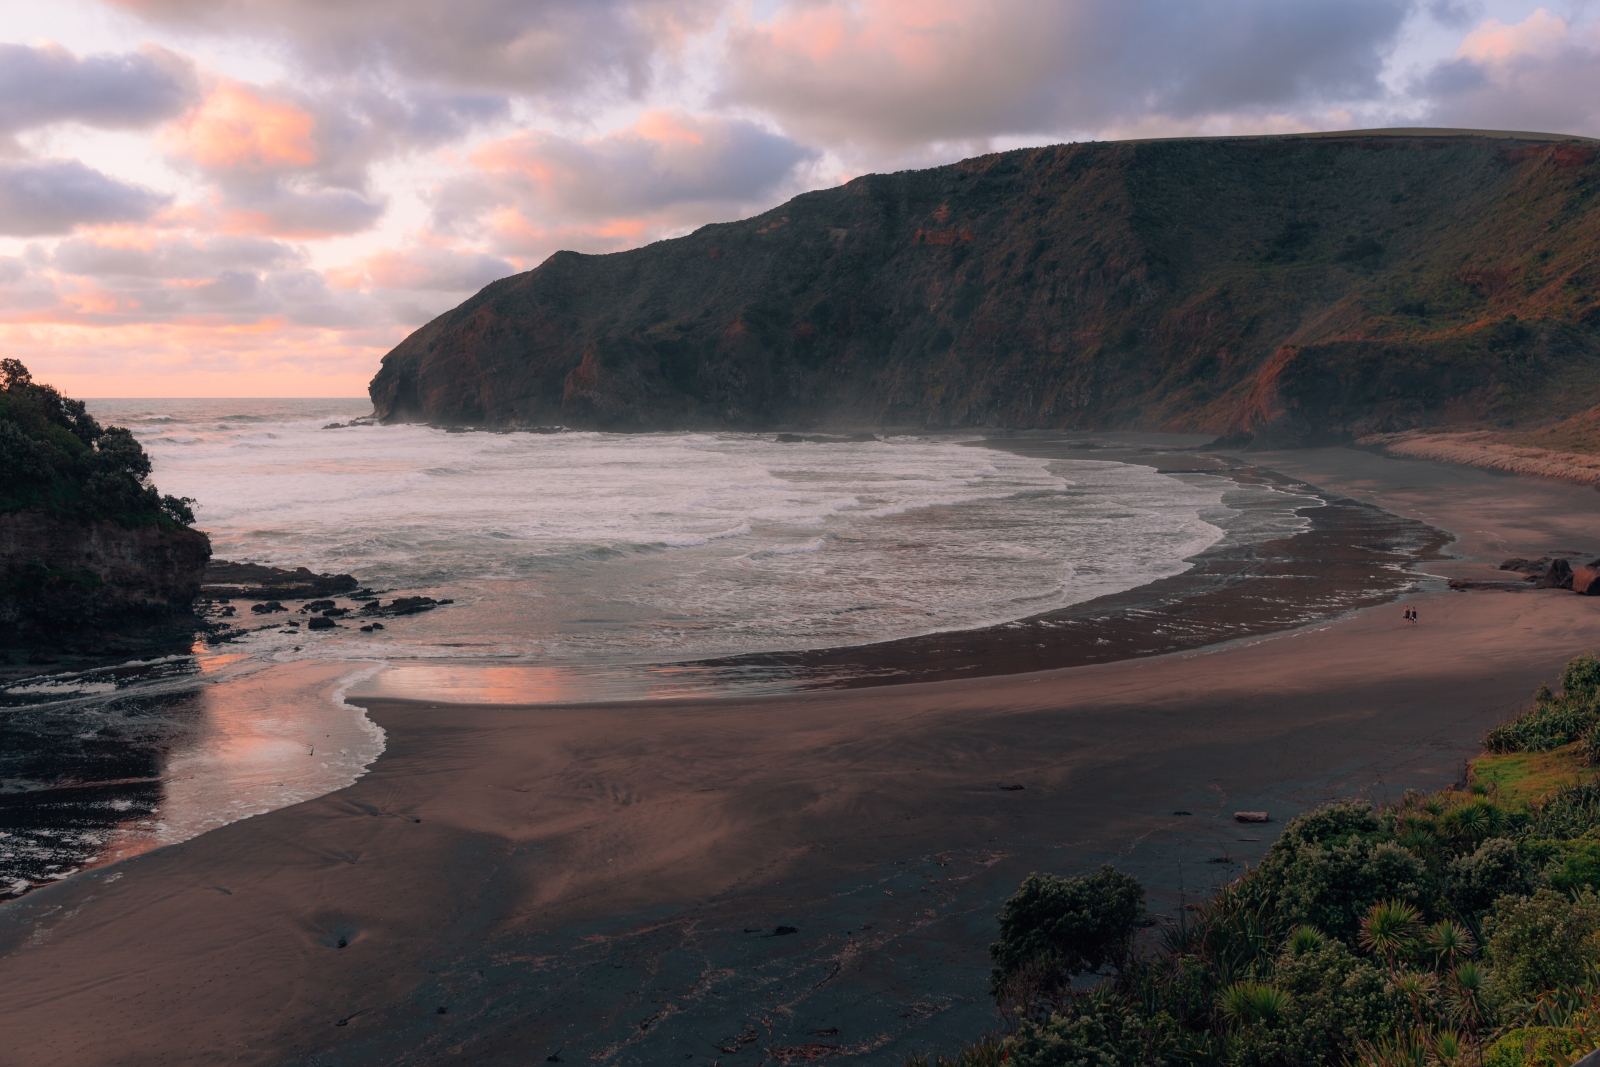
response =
{"points": [[1586, 581]]}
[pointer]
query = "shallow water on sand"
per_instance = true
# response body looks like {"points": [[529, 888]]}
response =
{"points": [[583, 566]]}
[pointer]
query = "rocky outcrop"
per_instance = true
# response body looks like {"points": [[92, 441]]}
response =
{"points": [[1586, 580], [65, 575], [225, 579], [1278, 290]]}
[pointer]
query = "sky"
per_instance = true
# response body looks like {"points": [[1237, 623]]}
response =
{"points": [[234, 198]]}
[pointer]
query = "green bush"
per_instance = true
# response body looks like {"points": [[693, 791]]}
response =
{"points": [[1098, 1030], [1570, 812], [1445, 931], [1337, 1000], [1581, 676], [1068, 925], [1533, 1046], [1577, 869], [54, 456], [1472, 883], [1545, 726], [1539, 942], [1332, 887]]}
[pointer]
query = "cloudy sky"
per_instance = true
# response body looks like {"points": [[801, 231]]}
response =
{"points": [[261, 197]]}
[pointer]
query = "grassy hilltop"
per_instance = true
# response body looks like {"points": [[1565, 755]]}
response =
{"points": [[1291, 288]]}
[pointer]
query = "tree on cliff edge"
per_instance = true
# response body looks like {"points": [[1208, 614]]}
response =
{"points": [[55, 457]]}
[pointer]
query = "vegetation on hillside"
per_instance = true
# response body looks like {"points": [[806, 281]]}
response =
{"points": [[55, 457], [1460, 927], [1292, 288]]}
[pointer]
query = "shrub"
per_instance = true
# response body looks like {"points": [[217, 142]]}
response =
{"points": [[1336, 1000], [1253, 1004], [1332, 887], [1533, 1046], [1098, 1030], [1070, 925], [1390, 929], [56, 457], [1569, 812], [1473, 883], [1545, 726], [1581, 676], [1553, 720], [1331, 824], [1536, 943], [1578, 868]]}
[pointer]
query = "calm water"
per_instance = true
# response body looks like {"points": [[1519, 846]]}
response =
{"points": [[583, 566]]}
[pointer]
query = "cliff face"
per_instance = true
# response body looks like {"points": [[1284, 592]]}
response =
{"points": [[61, 574], [1295, 289]]}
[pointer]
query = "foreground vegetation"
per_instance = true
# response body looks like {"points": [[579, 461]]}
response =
{"points": [[1458, 927], [55, 457]]}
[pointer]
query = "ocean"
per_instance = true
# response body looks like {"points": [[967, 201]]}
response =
{"points": [[581, 566]]}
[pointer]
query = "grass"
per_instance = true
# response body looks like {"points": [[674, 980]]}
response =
{"points": [[1529, 777]]}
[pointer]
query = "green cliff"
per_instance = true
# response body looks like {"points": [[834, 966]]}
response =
{"points": [[1291, 288], [86, 542]]}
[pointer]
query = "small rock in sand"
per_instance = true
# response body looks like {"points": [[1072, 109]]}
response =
{"points": [[1250, 816]]}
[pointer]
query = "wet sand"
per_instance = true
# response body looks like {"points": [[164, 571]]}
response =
{"points": [[603, 884]]}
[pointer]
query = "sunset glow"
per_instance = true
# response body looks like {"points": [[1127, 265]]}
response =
{"points": [[265, 201]]}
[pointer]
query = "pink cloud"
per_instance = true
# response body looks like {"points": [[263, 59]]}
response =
{"points": [[238, 128], [1494, 41]]}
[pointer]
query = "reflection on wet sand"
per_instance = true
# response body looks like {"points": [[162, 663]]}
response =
{"points": [[87, 781]]}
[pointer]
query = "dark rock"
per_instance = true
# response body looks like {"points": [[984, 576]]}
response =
{"points": [[1586, 581], [825, 439], [59, 574], [267, 608], [367, 629], [785, 931], [224, 578], [377, 626], [410, 605], [334, 613], [1557, 576], [320, 623], [315, 606], [227, 611], [1250, 816]]}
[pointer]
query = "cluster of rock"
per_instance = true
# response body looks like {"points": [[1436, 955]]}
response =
{"points": [[269, 587], [1557, 572], [325, 613]]}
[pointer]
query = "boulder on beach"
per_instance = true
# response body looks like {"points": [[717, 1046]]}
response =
{"points": [[1557, 576], [1586, 581], [1250, 816]]}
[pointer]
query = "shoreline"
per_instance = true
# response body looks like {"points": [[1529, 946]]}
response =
{"points": [[1353, 555], [1488, 450], [605, 883]]}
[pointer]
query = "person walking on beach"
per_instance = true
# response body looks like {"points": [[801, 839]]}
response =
{"points": [[1408, 615]]}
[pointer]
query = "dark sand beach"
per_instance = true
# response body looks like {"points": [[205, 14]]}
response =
{"points": [[605, 884]]}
